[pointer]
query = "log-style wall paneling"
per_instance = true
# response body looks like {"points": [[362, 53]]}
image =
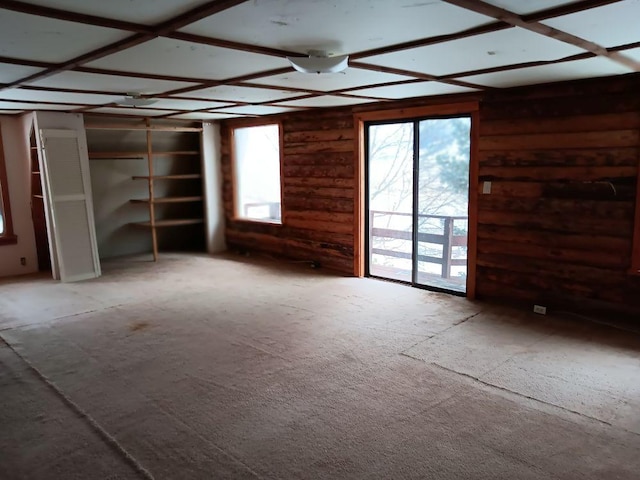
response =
{"points": [[557, 227], [318, 175], [563, 161]]}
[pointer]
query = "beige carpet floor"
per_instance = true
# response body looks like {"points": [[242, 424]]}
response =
{"points": [[234, 368]]}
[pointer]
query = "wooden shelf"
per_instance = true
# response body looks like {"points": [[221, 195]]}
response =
{"points": [[177, 160], [137, 155], [117, 155], [155, 128], [171, 223], [184, 176], [167, 200]]}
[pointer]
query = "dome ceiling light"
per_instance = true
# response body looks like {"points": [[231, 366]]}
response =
{"points": [[319, 62], [134, 99]]}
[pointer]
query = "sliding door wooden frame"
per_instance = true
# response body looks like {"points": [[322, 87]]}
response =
{"points": [[464, 108], [635, 246]]}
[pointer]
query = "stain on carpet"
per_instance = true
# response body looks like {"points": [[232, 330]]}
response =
{"points": [[139, 326]]}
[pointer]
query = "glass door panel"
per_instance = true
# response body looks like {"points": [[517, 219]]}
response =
{"points": [[442, 202], [390, 200]]}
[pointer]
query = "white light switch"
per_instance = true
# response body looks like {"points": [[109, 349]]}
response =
{"points": [[486, 187]]}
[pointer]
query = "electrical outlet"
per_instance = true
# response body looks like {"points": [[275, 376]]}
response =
{"points": [[486, 188], [539, 309], [23, 261]]}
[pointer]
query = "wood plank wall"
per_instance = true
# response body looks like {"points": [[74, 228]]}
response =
{"points": [[318, 175], [557, 227], [563, 162]]}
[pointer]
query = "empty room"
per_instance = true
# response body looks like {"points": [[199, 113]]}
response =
{"points": [[319, 239]]}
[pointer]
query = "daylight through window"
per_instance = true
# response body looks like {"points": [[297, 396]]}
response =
{"points": [[256, 152]]}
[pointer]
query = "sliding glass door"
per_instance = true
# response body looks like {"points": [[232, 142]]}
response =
{"points": [[417, 201]]}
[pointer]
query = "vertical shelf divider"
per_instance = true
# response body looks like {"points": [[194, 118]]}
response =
{"points": [[152, 213]]}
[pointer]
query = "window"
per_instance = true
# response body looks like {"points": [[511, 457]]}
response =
{"points": [[256, 168], [6, 228]]}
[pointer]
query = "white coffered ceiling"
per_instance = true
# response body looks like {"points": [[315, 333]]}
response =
{"points": [[165, 56], [227, 58], [344, 26]]}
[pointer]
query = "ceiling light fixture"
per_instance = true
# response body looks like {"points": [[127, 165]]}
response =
{"points": [[134, 99], [319, 62]]}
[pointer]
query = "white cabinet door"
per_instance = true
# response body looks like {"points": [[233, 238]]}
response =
{"points": [[66, 173]]}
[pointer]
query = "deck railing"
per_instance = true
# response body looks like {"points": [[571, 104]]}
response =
{"points": [[273, 210], [447, 239]]}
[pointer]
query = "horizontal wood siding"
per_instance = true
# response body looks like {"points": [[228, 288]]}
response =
{"points": [[318, 193], [557, 227]]}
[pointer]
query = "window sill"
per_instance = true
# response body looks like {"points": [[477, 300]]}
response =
{"points": [[259, 222], [8, 240]]}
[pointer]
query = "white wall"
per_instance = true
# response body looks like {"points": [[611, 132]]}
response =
{"points": [[212, 171], [15, 136]]}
